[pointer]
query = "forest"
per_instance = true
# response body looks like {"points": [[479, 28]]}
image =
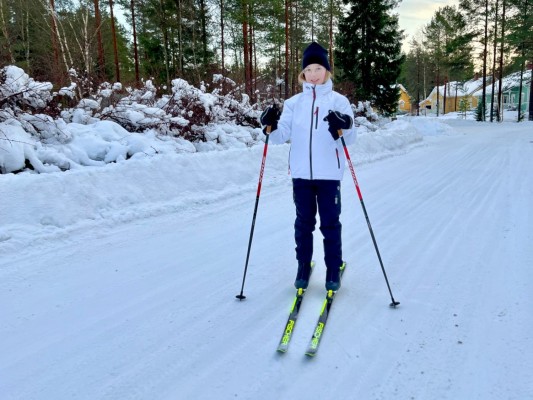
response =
{"points": [[257, 44]]}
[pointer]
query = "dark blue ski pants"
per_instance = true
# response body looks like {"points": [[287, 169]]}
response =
{"points": [[324, 196]]}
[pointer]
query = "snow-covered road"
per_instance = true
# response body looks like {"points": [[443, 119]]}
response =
{"points": [[146, 309]]}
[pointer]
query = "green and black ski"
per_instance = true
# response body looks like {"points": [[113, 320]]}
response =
{"points": [[293, 316], [322, 320]]}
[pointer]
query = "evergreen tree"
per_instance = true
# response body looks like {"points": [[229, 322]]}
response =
{"points": [[481, 112], [417, 73], [369, 52], [477, 13], [449, 45], [519, 37]]}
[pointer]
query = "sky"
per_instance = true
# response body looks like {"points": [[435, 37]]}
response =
{"points": [[415, 14]]}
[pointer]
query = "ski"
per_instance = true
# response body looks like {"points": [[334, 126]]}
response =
{"points": [[293, 316], [322, 319]]}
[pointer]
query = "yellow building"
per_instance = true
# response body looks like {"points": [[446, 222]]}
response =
{"points": [[449, 96], [404, 103]]}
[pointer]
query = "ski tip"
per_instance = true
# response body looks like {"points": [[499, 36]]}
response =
{"points": [[240, 297], [394, 304]]}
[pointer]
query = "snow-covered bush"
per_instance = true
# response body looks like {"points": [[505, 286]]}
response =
{"points": [[30, 103], [364, 109], [78, 126], [201, 109], [19, 91]]}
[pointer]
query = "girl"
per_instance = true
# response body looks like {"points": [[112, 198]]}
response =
{"points": [[311, 120]]}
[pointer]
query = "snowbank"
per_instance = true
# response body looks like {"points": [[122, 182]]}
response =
{"points": [[155, 179], [114, 123]]}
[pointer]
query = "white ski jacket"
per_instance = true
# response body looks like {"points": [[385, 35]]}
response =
{"points": [[314, 154]]}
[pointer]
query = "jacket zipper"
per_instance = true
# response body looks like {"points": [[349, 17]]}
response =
{"points": [[311, 136]]}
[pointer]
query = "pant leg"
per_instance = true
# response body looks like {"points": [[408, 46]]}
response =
{"points": [[304, 196], [329, 209]]}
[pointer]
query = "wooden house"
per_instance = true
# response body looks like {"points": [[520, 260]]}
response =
{"points": [[448, 97], [510, 92], [404, 103]]}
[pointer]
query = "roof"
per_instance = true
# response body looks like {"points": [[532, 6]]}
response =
{"points": [[508, 82], [463, 88]]}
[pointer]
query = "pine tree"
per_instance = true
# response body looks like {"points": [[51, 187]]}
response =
{"points": [[369, 52], [519, 39], [449, 46], [417, 72], [481, 112]]}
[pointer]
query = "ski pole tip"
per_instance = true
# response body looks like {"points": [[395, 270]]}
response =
{"points": [[394, 304], [240, 297]]}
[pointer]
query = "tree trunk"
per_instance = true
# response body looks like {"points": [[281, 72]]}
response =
{"points": [[255, 72], [180, 38], [331, 55], [55, 44], [455, 102], [246, 48], [28, 40], [445, 92], [531, 92], [204, 34], [250, 55], [417, 82], [98, 27], [485, 44], [222, 36], [115, 48], [519, 118], [286, 74], [500, 97], [5, 32], [293, 51], [494, 63], [135, 49], [438, 89], [64, 47], [164, 31]]}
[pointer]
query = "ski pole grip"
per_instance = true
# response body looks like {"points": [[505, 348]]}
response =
{"points": [[269, 129], [339, 132]]}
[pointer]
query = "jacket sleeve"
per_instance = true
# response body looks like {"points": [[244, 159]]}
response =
{"points": [[283, 133], [345, 108]]}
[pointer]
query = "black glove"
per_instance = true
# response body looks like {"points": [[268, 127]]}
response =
{"points": [[338, 121], [270, 117]]}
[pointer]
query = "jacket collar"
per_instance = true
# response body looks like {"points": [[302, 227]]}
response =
{"points": [[325, 88]]}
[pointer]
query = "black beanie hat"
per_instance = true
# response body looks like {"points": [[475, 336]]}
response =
{"points": [[315, 54]]}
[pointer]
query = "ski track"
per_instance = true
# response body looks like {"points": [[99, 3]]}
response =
{"points": [[147, 309]]}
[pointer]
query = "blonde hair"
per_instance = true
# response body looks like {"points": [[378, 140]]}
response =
{"points": [[301, 77]]}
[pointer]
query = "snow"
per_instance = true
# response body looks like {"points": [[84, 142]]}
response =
{"points": [[461, 88], [508, 82], [188, 120], [118, 280], [17, 81]]}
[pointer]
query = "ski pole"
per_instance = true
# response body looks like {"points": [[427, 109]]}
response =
{"points": [[394, 302], [241, 296]]}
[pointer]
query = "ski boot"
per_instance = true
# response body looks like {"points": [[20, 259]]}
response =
{"points": [[333, 278], [302, 277]]}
